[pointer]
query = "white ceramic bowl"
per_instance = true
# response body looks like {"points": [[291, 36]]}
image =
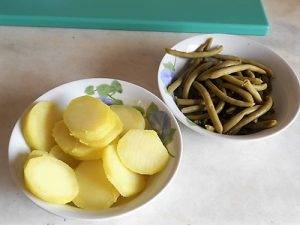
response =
{"points": [[131, 95], [286, 89]]}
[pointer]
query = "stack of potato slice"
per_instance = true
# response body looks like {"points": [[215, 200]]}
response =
{"points": [[93, 155]]}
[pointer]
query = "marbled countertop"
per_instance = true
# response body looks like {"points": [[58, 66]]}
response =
{"points": [[217, 183]]}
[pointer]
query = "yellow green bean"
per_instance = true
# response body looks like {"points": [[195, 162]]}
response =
{"points": [[225, 97], [226, 57], [265, 68], [260, 87], [231, 109], [244, 94], [234, 69], [190, 79], [238, 117], [209, 106], [192, 55], [208, 43], [252, 80], [261, 125], [202, 116], [209, 127], [233, 80], [188, 102], [249, 74], [173, 86], [253, 91], [222, 65], [265, 107], [191, 109]]}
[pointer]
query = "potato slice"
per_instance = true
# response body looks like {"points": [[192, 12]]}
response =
{"points": [[72, 146], [130, 117], [33, 154], [50, 179], [125, 181], [142, 151], [58, 153], [112, 135], [38, 124], [36, 153], [88, 118], [95, 191]]}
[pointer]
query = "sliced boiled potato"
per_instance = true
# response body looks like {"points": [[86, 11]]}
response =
{"points": [[95, 190], [142, 151], [35, 153], [58, 153], [112, 135], [72, 146], [88, 118], [50, 179], [128, 183], [38, 124], [123, 200], [130, 117]]}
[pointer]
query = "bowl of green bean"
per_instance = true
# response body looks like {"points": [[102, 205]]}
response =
{"points": [[229, 86]]}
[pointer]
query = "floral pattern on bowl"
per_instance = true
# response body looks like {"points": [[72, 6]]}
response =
{"points": [[158, 120]]}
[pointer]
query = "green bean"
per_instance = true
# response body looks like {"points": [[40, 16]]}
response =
{"points": [[210, 106], [260, 87], [208, 43], [190, 79], [252, 80], [200, 49], [231, 109], [245, 94], [226, 57], [219, 66], [202, 116], [265, 68], [184, 102], [173, 86], [261, 125], [198, 116], [268, 116], [216, 66], [225, 97], [239, 74], [267, 79], [209, 127], [233, 80], [238, 117], [249, 74], [253, 91], [234, 69], [256, 114], [192, 55], [191, 109]]}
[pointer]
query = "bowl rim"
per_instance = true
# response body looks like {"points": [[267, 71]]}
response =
{"points": [[102, 217], [203, 131]]}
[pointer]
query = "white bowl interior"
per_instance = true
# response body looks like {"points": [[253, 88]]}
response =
{"points": [[132, 95], [286, 90]]}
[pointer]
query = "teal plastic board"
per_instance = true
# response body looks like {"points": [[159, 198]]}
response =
{"points": [[203, 16]]}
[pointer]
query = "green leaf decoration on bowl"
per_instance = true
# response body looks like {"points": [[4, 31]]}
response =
{"points": [[89, 90], [170, 66], [161, 123], [106, 92]]}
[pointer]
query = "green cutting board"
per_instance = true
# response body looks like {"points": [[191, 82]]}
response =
{"points": [[205, 16]]}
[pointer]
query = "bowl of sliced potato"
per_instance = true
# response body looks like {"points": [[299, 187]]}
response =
{"points": [[227, 86], [94, 148]]}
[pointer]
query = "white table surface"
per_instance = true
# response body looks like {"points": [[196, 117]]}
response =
{"points": [[217, 183]]}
